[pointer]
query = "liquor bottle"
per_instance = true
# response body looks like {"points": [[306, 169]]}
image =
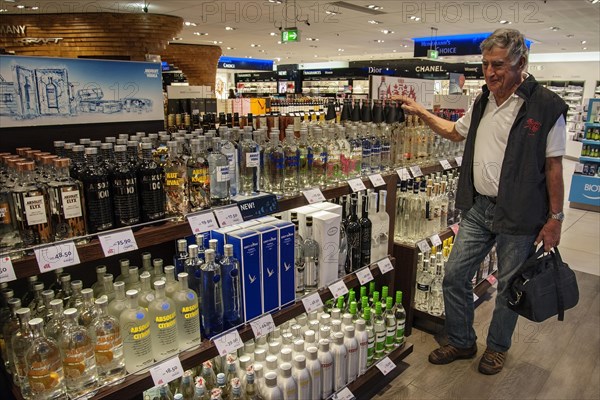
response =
{"points": [[353, 234], [400, 314], [9, 234], [305, 161], [423, 285], [320, 158], [181, 256], [186, 387], [402, 217], [313, 366], [384, 221], [274, 166], [340, 361], [198, 176], [219, 175], [200, 391], [291, 182], [288, 385], [380, 330], [436, 296], [171, 283], [163, 324], [159, 273], [327, 368], [9, 327], [98, 286], [124, 275], [124, 185], [208, 374], [311, 253], [231, 153], [272, 390], [444, 204], [298, 260], [55, 325], [249, 165], [212, 296], [362, 338], [415, 201], [365, 234], [87, 311], [119, 303], [45, 372], [391, 325], [146, 263], [78, 163], [356, 152], [376, 225], [135, 328], [146, 294], [150, 177], [31, 207], [232, 291], [66, 206], [188, 322], [98, 196], [302, 378], [37, 304], [176, 183], [77, 351], [134, 279], [352, 347], [334, 157], [76, 299], [20, 343]]}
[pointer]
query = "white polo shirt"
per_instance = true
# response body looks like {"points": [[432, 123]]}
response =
{"points": [[492, 136]]}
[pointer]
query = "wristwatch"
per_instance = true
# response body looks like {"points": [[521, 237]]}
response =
{"points": [[560, 216]]}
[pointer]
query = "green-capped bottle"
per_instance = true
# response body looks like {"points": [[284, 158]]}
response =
{"points": [[391, 324], [380, 332], [400, 314], [370, 335]]}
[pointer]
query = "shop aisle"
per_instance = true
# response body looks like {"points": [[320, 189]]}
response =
{"points": [[551, 360]]}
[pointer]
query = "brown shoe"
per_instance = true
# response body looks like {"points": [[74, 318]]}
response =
{"points": [[492, 362], [448, 353]]}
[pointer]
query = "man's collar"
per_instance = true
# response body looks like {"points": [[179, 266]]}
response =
{"points": [[524, 91]]}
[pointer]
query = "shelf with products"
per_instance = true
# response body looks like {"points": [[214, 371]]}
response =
{"points": [[589, 159]]}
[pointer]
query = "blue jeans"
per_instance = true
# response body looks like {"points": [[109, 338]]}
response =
{"points": [[474, 241]]}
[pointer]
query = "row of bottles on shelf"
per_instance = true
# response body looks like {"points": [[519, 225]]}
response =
{"points": [[590, 169], [425, 206], [590, 151], [592, 134]]}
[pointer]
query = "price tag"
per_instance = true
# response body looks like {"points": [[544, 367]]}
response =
{"points": [[458, 160], [364, 276], [376, 180], [492, 279], [386, 366], [416, 171], [7, 272], [445, 164], [454, 228], [262, 326], [312, 302], [117, 242], [385, 265], [166, 371], [228, 216], [579, 168], [338, 289], [344, 394], [435, 240], [313, 195], [202, 222], [228, 342], [356, 185], [56, 256], [423, 246], [475, 298], [403, 174]]}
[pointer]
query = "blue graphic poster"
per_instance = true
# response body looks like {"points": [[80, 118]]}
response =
{"points": [[37, 91]]}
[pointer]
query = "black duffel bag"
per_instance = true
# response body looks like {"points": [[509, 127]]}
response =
{"points": [[544, 286]]}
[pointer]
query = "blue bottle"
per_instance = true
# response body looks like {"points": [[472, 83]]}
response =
{"points": [[232, 291], [212, 295]]}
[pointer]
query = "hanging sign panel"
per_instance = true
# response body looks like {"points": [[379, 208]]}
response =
{"points": [[384, 87]]}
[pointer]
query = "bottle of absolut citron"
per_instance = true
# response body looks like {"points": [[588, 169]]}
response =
{"points": [[135, 329]]}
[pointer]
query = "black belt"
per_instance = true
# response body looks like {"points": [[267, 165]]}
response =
{"points": [[490, 198]]}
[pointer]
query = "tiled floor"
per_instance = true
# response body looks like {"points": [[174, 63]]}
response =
{"points": [[551, 360]]}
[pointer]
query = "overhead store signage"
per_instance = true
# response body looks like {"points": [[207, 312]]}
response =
{"points": [[454, 45], [290, 35], [245, 63], [256, 77]]}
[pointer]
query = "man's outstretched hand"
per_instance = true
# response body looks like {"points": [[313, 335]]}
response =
{"points": [[410, 106]]}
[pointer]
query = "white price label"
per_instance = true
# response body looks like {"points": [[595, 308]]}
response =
{"points": [[454, 228], [312, 302], [228, 342], [458, 160], [56, 256], [386, 366], [262, 326], [385, 265], [253, 159], [403, 174], [435, 240], [579, 168], [416, 171], [313, 195], [202, 222], [423, 246], [492, 279], [364, 276], [475, 298], [117, 242], [376, 180], [338, 289], [7, 272], [356, 185], [166, 371], [228, 216], [445, 164], [344, 394]]}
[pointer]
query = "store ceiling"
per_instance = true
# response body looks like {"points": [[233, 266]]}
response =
{"points": [[343, 29]]}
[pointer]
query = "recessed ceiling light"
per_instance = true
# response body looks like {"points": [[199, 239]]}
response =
{"points": [[230, 48], [3, 10], [279, 42], [273, 34], [386, 31], [21, 6], [583, 41], [216, 42], [374, 22], [177, 38], [340, 49], [505, 22], [316, 56], [584, 48], [275, 1], [312, 39], [393, 51], [230, 28], [374, 7], [379, 40], [255, 45], [554, 28], [200, 33], [415, 18], [331, 12], [188, 23]]}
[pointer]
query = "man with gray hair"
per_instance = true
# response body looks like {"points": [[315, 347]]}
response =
{"points": [[510, 190]]}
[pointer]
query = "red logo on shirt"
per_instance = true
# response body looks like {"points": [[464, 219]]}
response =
{"points": [[532, 126]]}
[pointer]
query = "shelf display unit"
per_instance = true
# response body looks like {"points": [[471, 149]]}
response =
{"points": [[572, 93]]}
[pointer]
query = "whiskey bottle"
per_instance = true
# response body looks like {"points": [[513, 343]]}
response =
{"points": [[108, 345], [198, 176], [45, 372], [211, 290], [124, 184], [135, 328], [219, 176], [150, 176], [163, 324], [188, 321], [176, 183], [98, 197]]}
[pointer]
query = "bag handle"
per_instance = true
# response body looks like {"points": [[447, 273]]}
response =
{"points": [[557, 260]]}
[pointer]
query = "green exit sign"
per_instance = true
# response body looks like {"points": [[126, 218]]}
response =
{"points": [[290, 35], [432, 54]]}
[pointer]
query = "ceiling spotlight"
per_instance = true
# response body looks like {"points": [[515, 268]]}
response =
{"points": [[255, 45], [273, 34], [374, 22], [583, 41], [316, 56], [177, 38], [229, 28], [554, 28], [3, 10], [505, 22], [340, 49], [188, 23], [584, 48], [35, 8], [230, 48], [200, 33], [570, 36], [415, 18], [312, 39], [374, 7], [331, 12], [279, 42], [275, 1], [386, 31], [21, 6], [379, 41], [216, 42]]}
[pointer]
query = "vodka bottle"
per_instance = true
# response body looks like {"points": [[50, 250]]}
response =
{"points": [[299, 260], [9, 327], [66, 203], [219, 176], [340, 361], [98, 195], [146, 293], [305, 161], [362, 338], [124, 185], [116, 306], [232, 295], [211, 295], [176, 183], [186, 387], [376, 225], [253, 391], [150, 177], [98, 286], [109, 289], [231, 152], [87, 311], [44, 372], [200, 392], [352, 347], [391, 325], [366, 149], [76, 299], [291, 164], [400, 314], [134, 279], [135, 328], [108, 345], [313, 366], [9, 234], [188, 322], [287, 383], [198, 176], [274, 165], [415, 211], [20, 343], [436, 297], [124, 276], [158, 272], [354, 238], [334, 157], [163, 324], [328, 368], [37, 304], [249, 165], [55, 325], [423, 285], [343, 261], [320, 158], [192, 266], [311, 253], [384, 221], [302, 378], [47, 297], [365, 234], [402, 212], [356, 151], [171, 284], [444, 203], [208, 374], [272, 390], [380, 330]]}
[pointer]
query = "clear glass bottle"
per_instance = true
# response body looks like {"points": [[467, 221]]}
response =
{"points": [[163, 324], [402, 217], [77, 351], [192, 266], [274, 165], [124, 267], [9, 234], [436, 296], [219, 176], [231, 287], [9, 327], [305, 161], [98, 286], [380, 330], [108, 345], [366, 150], [134, 279], [159, 273], [423, 286], [150, 177], [230, 151], [176, 183], [299, 260], [98, 196], [186, 387], [208, 374], [311, 253], [200, 391], [20, 343], [135, 328], [66, 203], [376, 226], [384, 229], [55, 325], [334, 157], [109, 289], [87, 311], [188, 321], [124, 185], [44, 372], [37, 307], [291, 164], [354, 240], [76, 299], [212, 295], [198, 176], [171, 284], [370, 336], [249, 165], [119, 303], [146, 293]]}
